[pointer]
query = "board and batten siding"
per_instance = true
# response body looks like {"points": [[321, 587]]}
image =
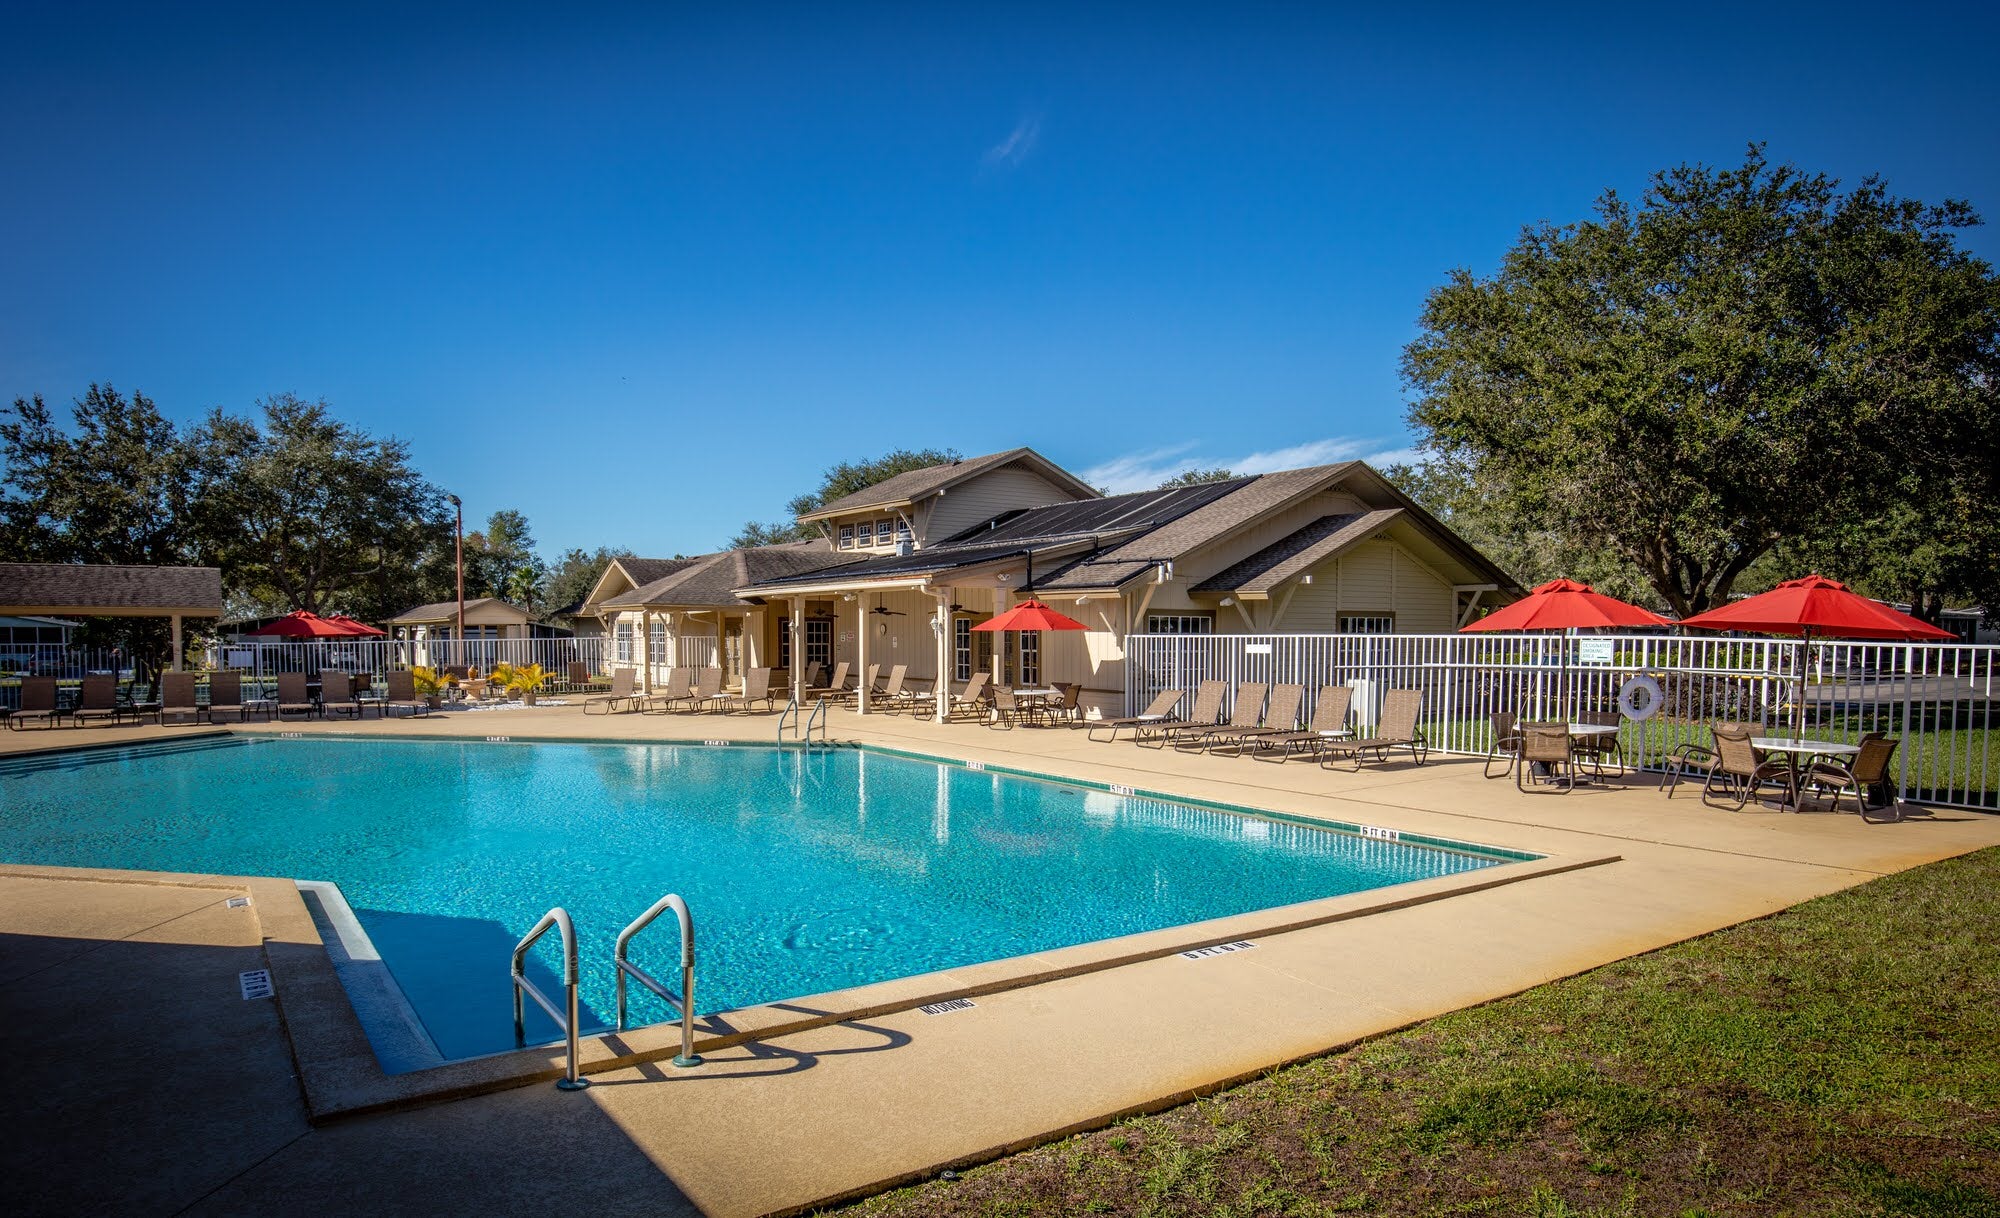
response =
{"points": [[1373, 577], [982, 498]]}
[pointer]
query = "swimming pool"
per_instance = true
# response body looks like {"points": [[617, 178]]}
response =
{"points": [[807, 870]]}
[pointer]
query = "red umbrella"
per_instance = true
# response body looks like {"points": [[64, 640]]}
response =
{"points": [[1565, 605], [356, 627], [1819, 606], [1816, 605], [1031, 615], [301, 624]]}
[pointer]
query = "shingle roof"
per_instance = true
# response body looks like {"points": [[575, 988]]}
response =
{"points": [[86, 588], [441, 611], [646, 570], [1281, 560], [711, 580], [914, 484]]}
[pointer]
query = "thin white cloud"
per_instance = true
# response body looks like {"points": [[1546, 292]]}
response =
{"points": [[1016, 148], [1142, 471]]}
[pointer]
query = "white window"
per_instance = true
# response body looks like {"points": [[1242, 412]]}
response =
{"points": [[624, 639], [1031, 658], [819, 641], [656, 649], [847, 537], [1180, 623], [1367, 623], [885, 532], [961, 649], [784, 644]]}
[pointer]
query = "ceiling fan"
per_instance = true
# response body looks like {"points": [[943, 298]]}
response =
{"points": [[885, 611]]}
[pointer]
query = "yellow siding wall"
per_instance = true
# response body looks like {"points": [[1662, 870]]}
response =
{"points": [[984, 497]]}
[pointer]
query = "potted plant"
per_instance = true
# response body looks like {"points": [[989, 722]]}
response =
{"points": [[431, 684], [523, 682]]}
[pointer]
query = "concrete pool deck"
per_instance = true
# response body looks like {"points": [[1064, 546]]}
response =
{"points": [[152, 1084]]}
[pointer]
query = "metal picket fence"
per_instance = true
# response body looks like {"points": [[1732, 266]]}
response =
{"points": [[1936, 698], [263, 658]]}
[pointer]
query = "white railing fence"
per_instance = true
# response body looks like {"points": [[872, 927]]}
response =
{"points": [[64, 663], [380, 656], [1936, 698]]}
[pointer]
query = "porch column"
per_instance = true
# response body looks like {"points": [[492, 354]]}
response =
{"points": [[1003, 600], [798, 628], [646, 650], [174, 663], [861, 652], [753, 639], [941, 626]]}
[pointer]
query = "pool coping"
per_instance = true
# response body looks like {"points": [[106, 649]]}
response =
{"points": [[340, 1075]]}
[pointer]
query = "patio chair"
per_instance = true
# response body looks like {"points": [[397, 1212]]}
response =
{"points": [[1159, 710], [1068, 708], [707, 690], [756, 688], [337, 694], [621, 693], [1506, 744], [1397, 729], [1281, 718], [98, 699], [1693, 757], [810, 678], [38, 704], [973, 698], [1245, 715], [225, 698], [679, 689], [1547, 745], [891, 695], [1329, 722], [177, 699], [581, 678], [1206, 714], [1594, 749], [401, 691], [1866, 775], [294, 698], [871, 681], [1741, 772], [1009, 710]]}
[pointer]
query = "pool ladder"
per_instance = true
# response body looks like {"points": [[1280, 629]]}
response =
{"points": [[565, 1017], [803, 721]]}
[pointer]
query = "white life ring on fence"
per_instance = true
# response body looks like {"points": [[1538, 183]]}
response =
{"points": [[1639, 699]]}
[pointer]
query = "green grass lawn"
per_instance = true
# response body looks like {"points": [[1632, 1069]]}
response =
{"points": [[1841, 1058]]}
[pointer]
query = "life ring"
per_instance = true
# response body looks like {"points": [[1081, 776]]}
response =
{"points": [[1639, 699]]}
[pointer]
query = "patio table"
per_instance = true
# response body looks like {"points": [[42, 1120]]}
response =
{"points": [[1802, 751], [1576, 730]]}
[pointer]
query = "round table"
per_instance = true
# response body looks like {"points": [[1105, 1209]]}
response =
{"points": [[1804, 751]]}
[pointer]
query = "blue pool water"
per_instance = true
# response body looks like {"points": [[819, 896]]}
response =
{"points": [[806, 871]]}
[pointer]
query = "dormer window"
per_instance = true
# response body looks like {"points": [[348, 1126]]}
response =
{"points": [[885, 534], [847, 537]]}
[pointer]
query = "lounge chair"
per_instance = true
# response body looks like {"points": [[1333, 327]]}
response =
{"points": [[707, 690], [402, 695], [836, 687], [225, 698], [1867, 773], [621, 692], [905, 696], [38, 704], [973, 698], [98, 699], [177, 698], [1397, 729], [1549, 746], [1206, 714], [1329, 722], [1245, 715], [809, 679], [581, 678], [890, 696], [871, 680], [1159, 710], [756, 688], [1281, 718], [337, 694], [293, 696], [679, 688]]}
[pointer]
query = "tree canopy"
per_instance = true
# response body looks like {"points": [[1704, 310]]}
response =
{"points": [[839, 480], [1748, 362], [1197, 477]]}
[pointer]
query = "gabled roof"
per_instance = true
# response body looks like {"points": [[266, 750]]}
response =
{"points": [[711, 580], [646, 570], [445, 611], [1052, 532], [1299, 552], [910, 486], [110, 591]]}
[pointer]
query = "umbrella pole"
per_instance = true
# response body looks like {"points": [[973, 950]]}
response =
{"points": [[1799, 710]]}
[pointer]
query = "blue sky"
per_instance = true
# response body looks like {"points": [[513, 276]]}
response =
{"points": [[643, 273]]}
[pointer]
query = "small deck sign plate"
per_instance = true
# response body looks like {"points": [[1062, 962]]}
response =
{"points": [[1219, 949], [947, 1006]]}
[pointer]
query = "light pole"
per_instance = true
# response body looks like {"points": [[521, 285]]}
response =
{"points": [[458, 563]]}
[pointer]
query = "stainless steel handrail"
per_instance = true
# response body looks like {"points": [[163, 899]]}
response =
{"points": [[791, 711], [559, 919], [818, 716], [683, 1002]]}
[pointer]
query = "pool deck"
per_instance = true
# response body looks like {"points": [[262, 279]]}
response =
{"points": [[153, 1085]]}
